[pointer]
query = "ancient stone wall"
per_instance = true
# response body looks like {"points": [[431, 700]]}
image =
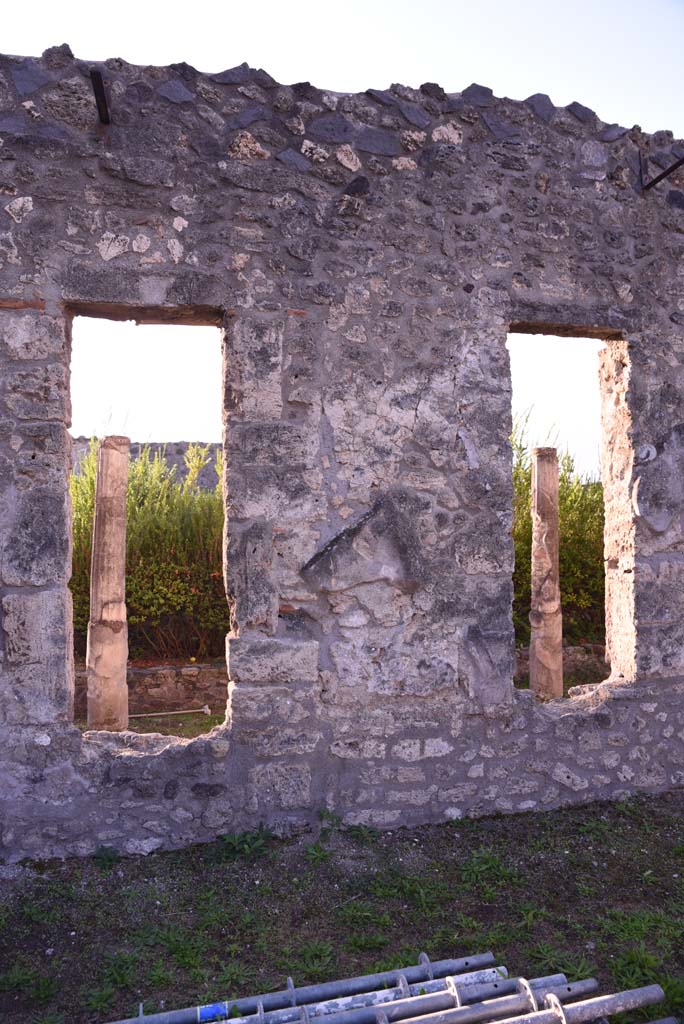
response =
{"points": [[165, 687], [366, 256]]}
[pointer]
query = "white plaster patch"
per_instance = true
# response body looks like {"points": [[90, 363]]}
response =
{"points": [[245, 147], [175, 249], [30, 107], [405, 163], [19, 208], [348, 158], [319, 154], [141, 243], [295, 125], [566, 777], [436, 747], [413, 140], [143, 846], [184, 204], [110, 245], [449, 132], [42, 739], [357, 333]]}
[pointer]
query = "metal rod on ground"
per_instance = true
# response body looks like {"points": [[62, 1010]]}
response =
{"points": [[434, 1006], [573, 1013], [158, 714], [293, 996], [490, 977]]}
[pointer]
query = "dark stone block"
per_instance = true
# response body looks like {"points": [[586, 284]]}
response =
{"points": [[306, 91], [440, 153], [176, 92], [58, 56], [434, 91], [379, 142], [541, 104], [249, 116], [383, 96], [415, 115], [612, 132], [478, 95], [583, 114], [185, 71], [676, 198], [205, 790], [294, 159], [331, 128], [234, 76], [502, 130], [359, 186], [662, 158], [265, 80], [28, 76], [171, 789]]}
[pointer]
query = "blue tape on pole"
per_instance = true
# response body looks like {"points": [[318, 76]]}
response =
{"points": [[213, 1011]]}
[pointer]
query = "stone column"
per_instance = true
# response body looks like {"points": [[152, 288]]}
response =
{"points": [[546, 641], [107, 651]]}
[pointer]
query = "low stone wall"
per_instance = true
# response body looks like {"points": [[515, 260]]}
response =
{"points": [[285, 752], [166, 688], [185, 687]]}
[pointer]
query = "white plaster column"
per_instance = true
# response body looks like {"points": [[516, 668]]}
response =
{"points": [[546, 619], [107, 650]]}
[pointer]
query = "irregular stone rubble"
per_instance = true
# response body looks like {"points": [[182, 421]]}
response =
{"points": [[366, 256]]}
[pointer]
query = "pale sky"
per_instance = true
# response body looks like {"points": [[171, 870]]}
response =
{"points": [[622, 58]]}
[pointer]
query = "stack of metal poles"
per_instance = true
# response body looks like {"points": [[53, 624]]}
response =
{"points": [[470, 990]]}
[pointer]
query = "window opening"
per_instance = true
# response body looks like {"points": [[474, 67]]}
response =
{"points": [[160, 386], [556, 404]]}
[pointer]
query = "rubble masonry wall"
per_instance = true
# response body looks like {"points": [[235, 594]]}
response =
{"points": [[366, 257]]}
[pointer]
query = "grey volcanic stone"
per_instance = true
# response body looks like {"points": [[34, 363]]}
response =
{"points": [[583, 114], [28, 76], [542, 106], [365, 258], [331, 128], [176, 91]]}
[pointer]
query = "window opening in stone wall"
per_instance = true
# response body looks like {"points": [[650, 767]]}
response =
{"points": [[557, 405], [160, 386]]}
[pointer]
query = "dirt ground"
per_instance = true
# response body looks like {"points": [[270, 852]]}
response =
{"points": [[596, 891]]}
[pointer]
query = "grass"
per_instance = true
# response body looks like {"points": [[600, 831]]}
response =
{"points": [[595, 890], [187, 726]]}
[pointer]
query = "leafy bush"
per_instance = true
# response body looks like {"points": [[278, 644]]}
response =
{"points": [[176, 602], [582, 577]]}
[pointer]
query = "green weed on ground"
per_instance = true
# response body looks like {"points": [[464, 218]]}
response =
{"points": [[595, 890]]}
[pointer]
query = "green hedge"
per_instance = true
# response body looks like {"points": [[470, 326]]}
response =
{"points": [[582, 577], [175, 597]]}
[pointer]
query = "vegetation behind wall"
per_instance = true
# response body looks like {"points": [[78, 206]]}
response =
{"points": [[175, 596], [582, 576], [177, 606]]}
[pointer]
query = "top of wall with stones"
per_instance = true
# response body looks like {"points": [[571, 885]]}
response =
{"points": [[271, 197]]}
